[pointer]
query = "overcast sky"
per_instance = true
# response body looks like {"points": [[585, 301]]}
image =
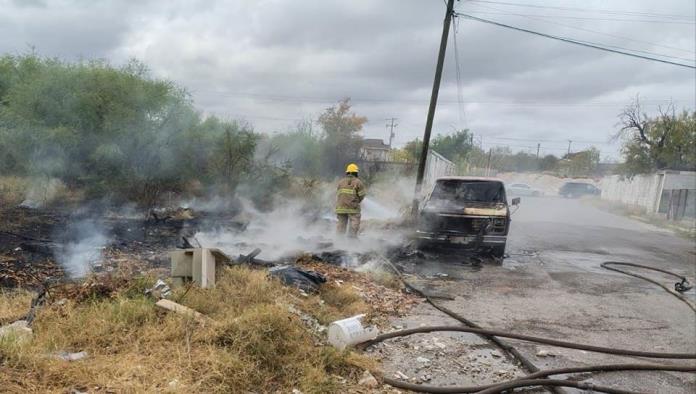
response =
{"points": [[274, 62]]}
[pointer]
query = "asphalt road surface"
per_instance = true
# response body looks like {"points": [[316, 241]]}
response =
{"points": [[552, 285]]}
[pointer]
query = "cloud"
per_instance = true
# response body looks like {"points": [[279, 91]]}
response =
{"points": [[271, 62]]}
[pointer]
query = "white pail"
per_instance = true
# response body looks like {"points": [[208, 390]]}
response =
{"points": [[350, 331]]}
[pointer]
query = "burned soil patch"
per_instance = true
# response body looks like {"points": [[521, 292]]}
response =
{"points": [[38, 245]]}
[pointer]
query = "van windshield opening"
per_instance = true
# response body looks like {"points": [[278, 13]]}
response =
{"points": [[469, 191]]}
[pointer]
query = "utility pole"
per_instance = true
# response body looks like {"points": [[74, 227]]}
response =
{"points": [[391, 126], [433, 103], [488, 166], [538, 147], [569, 142]]}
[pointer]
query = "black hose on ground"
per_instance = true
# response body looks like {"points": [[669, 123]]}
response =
{"points": [[528, 380], [679, 287], [557, 383], [514, 353], [529, 338], [541, 374]]}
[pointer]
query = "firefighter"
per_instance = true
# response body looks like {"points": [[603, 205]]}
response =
{"points": [[349, 195]]}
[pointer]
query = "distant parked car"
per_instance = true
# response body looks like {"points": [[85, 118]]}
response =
{"points": [[523, 189], [578, 189]]}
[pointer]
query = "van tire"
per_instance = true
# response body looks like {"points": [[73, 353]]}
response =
{"points": [[498, 251]]}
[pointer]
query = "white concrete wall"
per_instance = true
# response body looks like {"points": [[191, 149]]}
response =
{"points": [[640, 191]]}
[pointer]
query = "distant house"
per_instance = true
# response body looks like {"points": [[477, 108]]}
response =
{"points": [[374, 149]]}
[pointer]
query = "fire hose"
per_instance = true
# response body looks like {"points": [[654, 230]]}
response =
{"points": [[679, 287], [533, 379]]}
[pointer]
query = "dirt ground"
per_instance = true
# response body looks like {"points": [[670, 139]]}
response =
{"points": [[551, 285]]}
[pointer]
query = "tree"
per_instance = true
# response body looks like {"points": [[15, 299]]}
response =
{"points": [[583, 163], [455, 147], [341, 139], [548, 163], [665, 141], [112, 131]]}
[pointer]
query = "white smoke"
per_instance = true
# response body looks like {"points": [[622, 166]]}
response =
{"points": [[85, 241], [296, 226]]}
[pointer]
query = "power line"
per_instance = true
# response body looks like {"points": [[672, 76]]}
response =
{"points": [[585, 18], [572, 41], [590, 10], [525, 103], [547, 140], [460, 89], [540, 18]]}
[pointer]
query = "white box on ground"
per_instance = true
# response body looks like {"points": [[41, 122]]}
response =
{"points": [[199, 265]]}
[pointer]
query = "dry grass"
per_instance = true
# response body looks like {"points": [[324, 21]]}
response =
{"points": [[256, 344], [12, 190], [14, 304]]}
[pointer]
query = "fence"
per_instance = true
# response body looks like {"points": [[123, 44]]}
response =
{"points": [[436, 166], [669, 193]]}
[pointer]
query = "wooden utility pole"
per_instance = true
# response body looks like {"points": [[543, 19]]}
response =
{"points": [[488, 166], [569, 142], [391, 126], [538, 147], [433, 104]]}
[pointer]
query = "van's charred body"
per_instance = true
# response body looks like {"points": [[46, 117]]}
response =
{"points": [[466, 213]]}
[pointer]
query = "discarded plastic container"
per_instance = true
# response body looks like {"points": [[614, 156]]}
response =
{"points": [[350, 331]]}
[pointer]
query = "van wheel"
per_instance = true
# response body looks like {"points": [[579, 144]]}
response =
{"points": [[498, 252]]}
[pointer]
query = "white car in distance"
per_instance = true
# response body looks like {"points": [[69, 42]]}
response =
{"points": [[523, 189]]}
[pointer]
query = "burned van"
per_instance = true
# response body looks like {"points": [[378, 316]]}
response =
{"points": [[466, 213]]}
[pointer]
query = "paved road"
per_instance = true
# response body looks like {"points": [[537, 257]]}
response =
{"points": [[551, 285]]}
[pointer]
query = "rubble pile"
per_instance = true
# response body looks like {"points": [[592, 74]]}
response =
{"points": [[385, 301]]}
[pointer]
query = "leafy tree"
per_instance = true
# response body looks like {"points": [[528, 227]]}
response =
{"points": [[666, 141], [455, 147], [112, 131], [583, 163], [341, 141], [299, 150], [548, 163]]}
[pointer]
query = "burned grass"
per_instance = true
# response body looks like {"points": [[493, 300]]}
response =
{"points": [[255, 343]]}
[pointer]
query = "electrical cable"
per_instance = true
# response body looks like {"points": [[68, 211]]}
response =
{"points": [[590, 10], [460, 89], [542, 18], [576, 42], [679, 287]]}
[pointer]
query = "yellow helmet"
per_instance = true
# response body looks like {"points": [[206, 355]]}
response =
{"points": [[352, 167]]}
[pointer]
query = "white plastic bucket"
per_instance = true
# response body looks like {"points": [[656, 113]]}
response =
{"points": [[349, 332]]}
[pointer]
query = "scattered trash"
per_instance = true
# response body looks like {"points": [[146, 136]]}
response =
{"points": [[198, 265], [495, 354], [307, 281], [159, 290], [67, 356], [337, 257], [368, 380], [422, 360], [189, 243], [173, 384], [545, 353], [400, 375], [350, 331], [182, 310], [19, 331]]}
